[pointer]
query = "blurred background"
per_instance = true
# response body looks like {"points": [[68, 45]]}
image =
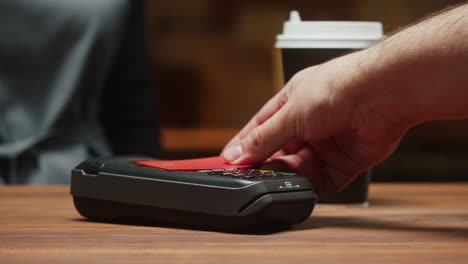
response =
{"points": [[214, 65]]}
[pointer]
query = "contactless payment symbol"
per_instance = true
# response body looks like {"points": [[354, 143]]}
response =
{"points": [[288, 185]]}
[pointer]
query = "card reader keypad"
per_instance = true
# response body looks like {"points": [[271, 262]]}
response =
{"points": [[249, 174]]}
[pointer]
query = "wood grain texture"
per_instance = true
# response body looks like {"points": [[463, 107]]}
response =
{"points": [[404, 223]]}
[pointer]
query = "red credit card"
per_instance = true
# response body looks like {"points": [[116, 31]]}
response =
{"points": [[208, 163]]}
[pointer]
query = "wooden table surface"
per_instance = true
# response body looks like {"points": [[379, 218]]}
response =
{"points": [[404, 223]]}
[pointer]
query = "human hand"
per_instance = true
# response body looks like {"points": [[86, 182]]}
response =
{"points": [[321, 124]]}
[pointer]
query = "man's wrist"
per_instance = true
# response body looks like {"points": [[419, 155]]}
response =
{"points": [[383, 85]]}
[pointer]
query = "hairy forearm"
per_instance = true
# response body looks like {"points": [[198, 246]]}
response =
{"points": [[420, 73]]}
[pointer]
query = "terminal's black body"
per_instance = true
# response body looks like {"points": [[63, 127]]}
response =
{"points": [[115, 189]]}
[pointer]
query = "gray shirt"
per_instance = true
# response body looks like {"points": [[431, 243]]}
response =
{"points": [[54, 58]]}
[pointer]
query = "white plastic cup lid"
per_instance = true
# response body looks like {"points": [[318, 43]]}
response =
{"points": [[328, 34]]}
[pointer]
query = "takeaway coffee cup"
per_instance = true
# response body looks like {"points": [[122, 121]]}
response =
{"points": [[307, 43]]}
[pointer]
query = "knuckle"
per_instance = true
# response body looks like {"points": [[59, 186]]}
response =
{"points": [[299, 124], [282, 100], [255, 141], [296, 80]]}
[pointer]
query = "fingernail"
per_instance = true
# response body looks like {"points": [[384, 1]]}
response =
{"points": [[232, 142], [233, 153]]}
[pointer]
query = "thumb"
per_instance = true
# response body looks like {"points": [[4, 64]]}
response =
{"points": [[264, 140]]}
